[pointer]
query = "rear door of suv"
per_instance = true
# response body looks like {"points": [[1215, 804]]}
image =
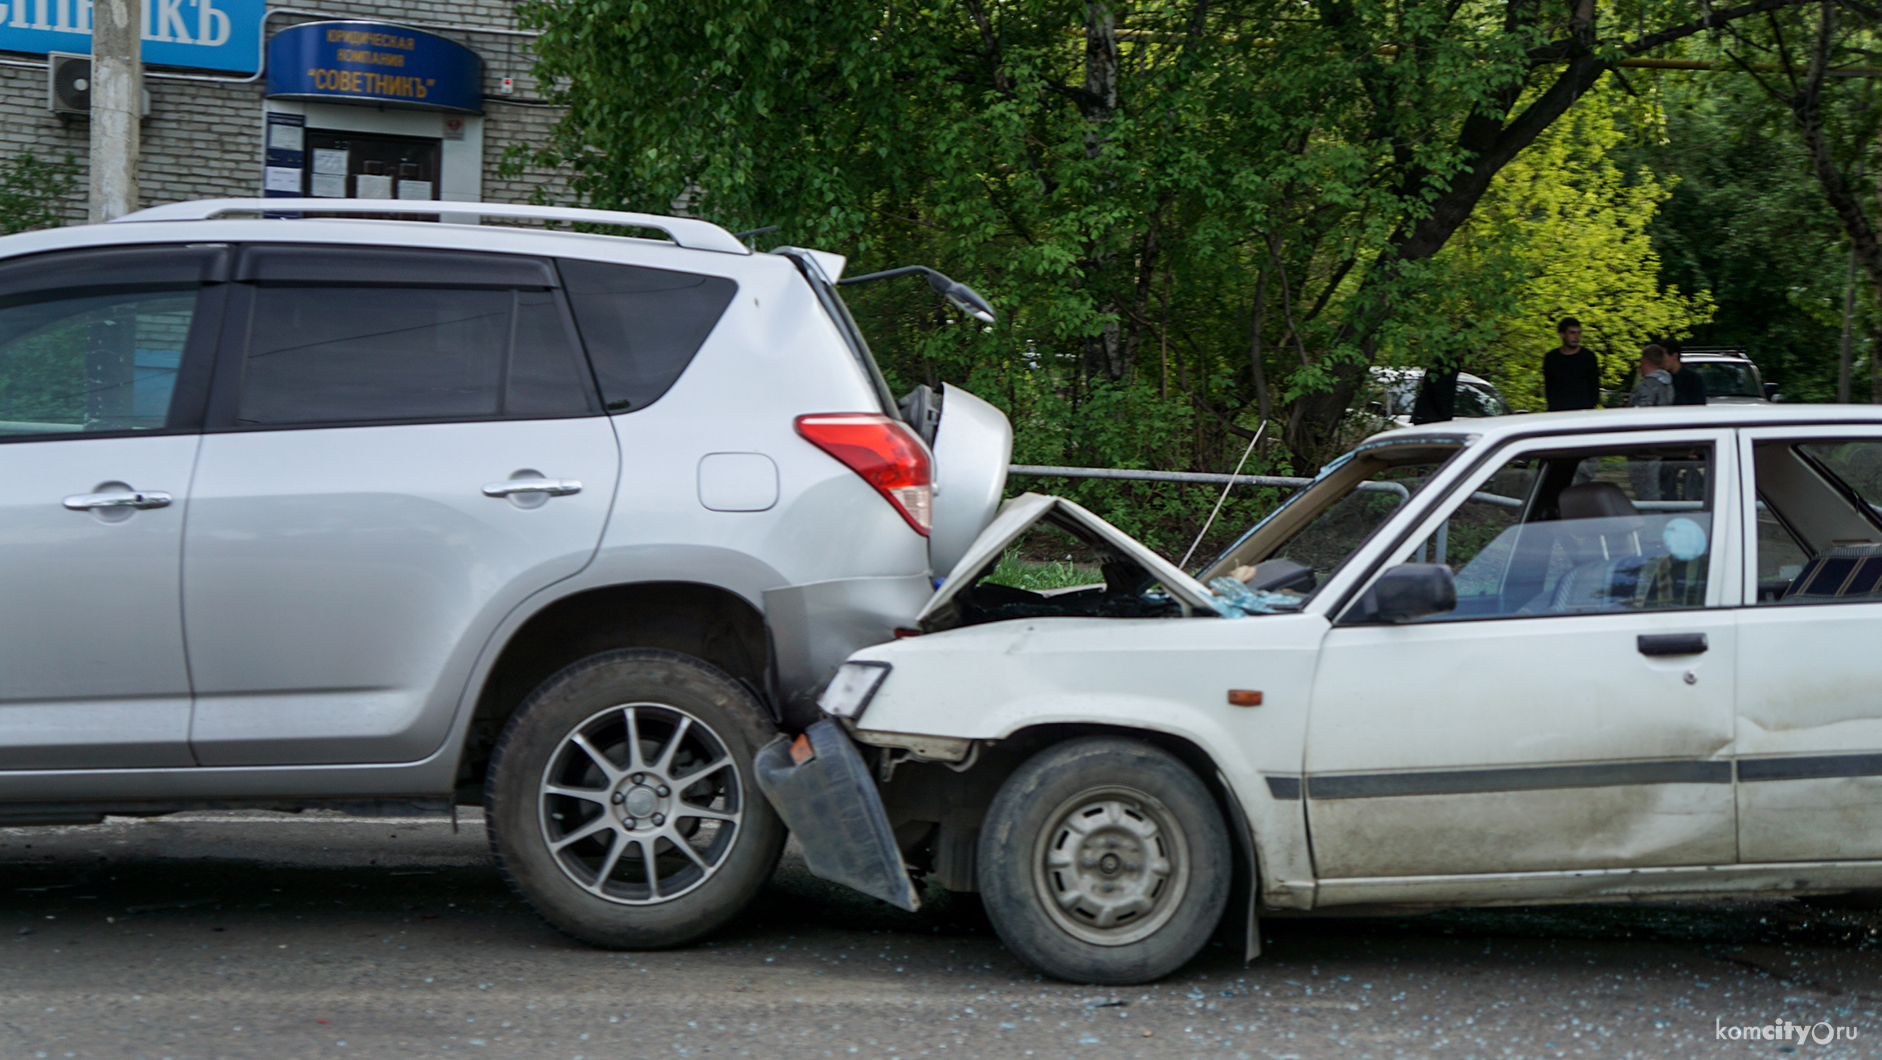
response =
{"points": [[401, 445]]}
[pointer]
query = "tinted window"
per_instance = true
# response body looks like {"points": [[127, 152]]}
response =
{"points": [[92, 341], [427, 341], [641, 326], [1730, 380]]}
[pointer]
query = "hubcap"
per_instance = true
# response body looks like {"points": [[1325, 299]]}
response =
{"points": [[1112, 867], [641, 803]]}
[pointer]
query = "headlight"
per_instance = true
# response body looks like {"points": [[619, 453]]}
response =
{"points": [[850, 691]]}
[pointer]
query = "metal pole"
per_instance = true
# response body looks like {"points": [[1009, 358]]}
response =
{"points": [[117, 98]]}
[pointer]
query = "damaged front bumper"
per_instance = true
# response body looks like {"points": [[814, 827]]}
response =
{"points": [[822, 788]]}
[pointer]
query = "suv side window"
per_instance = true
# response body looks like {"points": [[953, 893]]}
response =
{"points": [[338, 335], [641, 326], [92, 341]]}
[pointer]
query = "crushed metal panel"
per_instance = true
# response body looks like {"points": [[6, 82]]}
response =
{"points": [[1025, 511], [814, 627], [831, 805]]}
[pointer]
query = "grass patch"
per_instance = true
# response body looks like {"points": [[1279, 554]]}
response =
{"points": [[1040, 575]]}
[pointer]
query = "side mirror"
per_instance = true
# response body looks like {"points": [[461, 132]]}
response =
{"points": [[1410, 591], [1770, 391]]}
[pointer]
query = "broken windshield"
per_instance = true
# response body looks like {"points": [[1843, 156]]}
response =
{"points": [[1304, 542]]}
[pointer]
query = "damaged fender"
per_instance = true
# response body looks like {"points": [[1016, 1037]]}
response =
{"points": [[822, 788]]}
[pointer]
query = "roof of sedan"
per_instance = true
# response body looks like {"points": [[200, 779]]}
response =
{"points": [[1498, 428]]}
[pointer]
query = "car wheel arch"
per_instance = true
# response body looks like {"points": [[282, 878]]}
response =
{"points": [[708, 622], [1017, 747]]}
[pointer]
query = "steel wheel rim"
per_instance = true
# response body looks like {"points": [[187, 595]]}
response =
{"points": [[1112, 866], [641, 803]]}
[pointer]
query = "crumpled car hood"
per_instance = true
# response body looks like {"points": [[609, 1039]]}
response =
{"points": [[1022, 513]]}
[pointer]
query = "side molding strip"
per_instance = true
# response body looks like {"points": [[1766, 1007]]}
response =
{"points": [[1523, 778], [1805, 768]]}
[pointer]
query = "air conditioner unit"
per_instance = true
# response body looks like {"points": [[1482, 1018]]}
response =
{"points": [[68, 83]]}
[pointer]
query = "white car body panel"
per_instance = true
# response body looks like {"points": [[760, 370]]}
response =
{"points": [[1492, 760], [1024, 511], [988, 682]]}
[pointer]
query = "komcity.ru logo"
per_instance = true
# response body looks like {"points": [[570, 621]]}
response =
{"points": [[1785, 1031]]}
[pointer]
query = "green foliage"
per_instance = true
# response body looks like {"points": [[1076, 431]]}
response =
{"points": [[32, 192], [1191, 215], [1747, 220], [1563, 231]]}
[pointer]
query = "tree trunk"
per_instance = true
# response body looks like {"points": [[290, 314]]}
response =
{"points": [[1807, 108], [1257, 373], [1105, 352]]}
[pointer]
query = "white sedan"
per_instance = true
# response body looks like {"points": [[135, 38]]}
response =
{"points": [[1566, 657]]}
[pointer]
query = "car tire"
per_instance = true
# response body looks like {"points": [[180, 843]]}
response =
{"points": [[640, 850], [1104, 860]]}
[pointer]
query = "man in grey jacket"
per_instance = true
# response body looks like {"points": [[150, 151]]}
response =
{"points": [[1655, 388], [1656, 383]]}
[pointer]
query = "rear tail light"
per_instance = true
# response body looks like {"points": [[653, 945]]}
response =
{"points": [[884, 452]]}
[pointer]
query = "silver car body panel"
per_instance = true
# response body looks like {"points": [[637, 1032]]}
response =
{"points": [[973, 446], [332, 572], [91, 644], [400, 512], [815, 626]]}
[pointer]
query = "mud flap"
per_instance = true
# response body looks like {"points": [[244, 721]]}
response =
{"points": [[830, 804], [1244, 896]]}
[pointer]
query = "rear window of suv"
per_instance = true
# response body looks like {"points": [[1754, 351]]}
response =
{"points": [[348, 335], [641, 326]]}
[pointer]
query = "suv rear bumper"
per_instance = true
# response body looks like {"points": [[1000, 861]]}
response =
{"points": [[815, 626]]}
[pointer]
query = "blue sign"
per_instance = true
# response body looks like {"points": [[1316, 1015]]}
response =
{"points": [[373, 62], [202, 34]]}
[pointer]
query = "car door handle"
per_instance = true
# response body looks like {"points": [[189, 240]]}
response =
{"points": [[84, 502], [1671, 643], [554, 487]]}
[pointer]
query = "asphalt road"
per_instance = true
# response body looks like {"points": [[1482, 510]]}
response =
{"points": [[277, 936]]}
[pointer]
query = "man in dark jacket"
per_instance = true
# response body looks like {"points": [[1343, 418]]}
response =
{"points": [[1688, 387], [1571, 375]]}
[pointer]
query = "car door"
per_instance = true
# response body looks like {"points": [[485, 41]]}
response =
{"points": [[1573, 711], [1809, 718], [98, 438], [402, 446]]}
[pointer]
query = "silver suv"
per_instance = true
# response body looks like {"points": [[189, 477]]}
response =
{"points": [[384, 514]]}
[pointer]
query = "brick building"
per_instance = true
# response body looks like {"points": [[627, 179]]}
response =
{"points": [[209, 127]]}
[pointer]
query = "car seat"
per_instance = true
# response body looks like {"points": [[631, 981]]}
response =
{"points": [[1611, 569], [1844, 573]]}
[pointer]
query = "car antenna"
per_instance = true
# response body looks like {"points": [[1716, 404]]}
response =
{"points": [[1226, 487], [744, 236]]}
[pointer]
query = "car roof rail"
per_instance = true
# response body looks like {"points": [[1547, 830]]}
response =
{"points": [[685, 231]]}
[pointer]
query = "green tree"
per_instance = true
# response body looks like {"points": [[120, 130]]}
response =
{"points": [[32, 192], [1197, 214], [1562, 231]]}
